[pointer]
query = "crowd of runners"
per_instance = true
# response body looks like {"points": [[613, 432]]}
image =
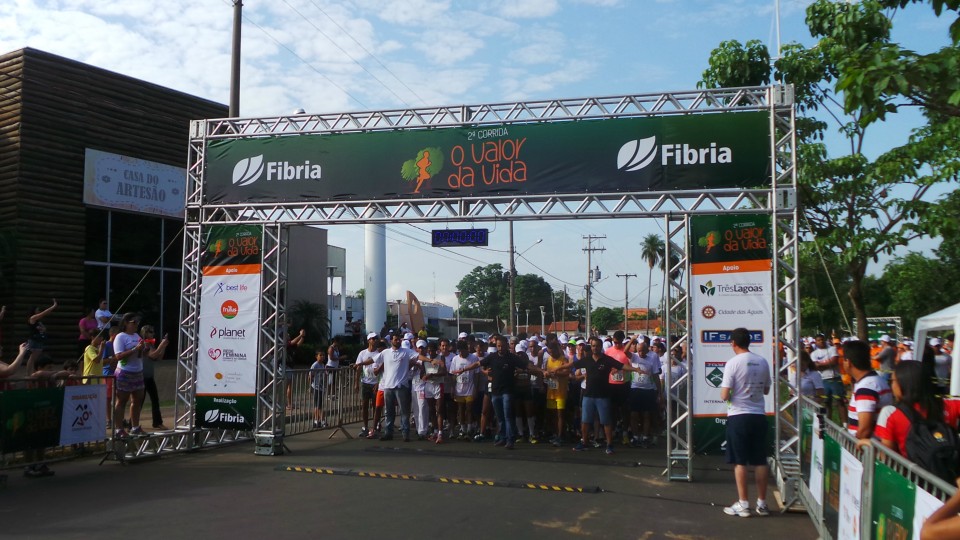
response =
{"points": [[553, 389]]}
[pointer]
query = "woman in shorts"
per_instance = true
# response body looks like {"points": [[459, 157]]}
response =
{"points": [[128, 348], [557, 380]]}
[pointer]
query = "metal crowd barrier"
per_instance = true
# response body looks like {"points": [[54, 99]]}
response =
{"points": [[339, 400], [853, 490], [37, 412]]}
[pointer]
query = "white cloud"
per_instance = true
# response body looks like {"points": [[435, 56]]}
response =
{"points": [[527, 9], [447, 47]]}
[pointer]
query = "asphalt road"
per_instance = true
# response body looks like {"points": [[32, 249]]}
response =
{"points": [[232, 493]]}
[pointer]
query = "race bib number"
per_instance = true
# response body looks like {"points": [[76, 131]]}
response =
{"points": [[552, 384], [463, 378], [641, 378], [617, 376], [431, 368]]}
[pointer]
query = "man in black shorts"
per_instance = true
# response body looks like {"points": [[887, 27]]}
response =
{"points": [[746, 380]]}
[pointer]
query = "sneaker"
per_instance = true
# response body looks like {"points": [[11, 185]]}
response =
{"points": [[635, 442], [500, 442], [362, 434], [609, 450], [136, 431], [762, 510], [555, 442], [479, 437], [533, 440], [737, 509], [45, 471], [160, 427], [120, 434], [580, 447], [323, 424], [316, 425], [372, 435], [595, 443], [439, 439]]}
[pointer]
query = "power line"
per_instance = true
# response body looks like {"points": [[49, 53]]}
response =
{"points": [[377, 60], [298, 57], [354, 60]]}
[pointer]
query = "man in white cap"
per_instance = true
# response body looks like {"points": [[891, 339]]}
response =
{"points": [[462, 335], [421, 410], [942, 362], [887, 357], [368, 361]]}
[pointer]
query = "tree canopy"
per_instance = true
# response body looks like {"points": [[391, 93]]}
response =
{"points": [[854, 207]]}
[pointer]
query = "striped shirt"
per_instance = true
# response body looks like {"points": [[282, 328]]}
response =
{"points": [[870, 394]]}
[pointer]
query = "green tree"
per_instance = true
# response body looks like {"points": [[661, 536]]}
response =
{"points": [[532, 291], [651, 251], [853, 207], [484, 292], [566, 307], [920, 285], [361, 293], [312, 317], [604, 318]]}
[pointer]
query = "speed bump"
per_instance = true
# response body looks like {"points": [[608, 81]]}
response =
{"points": [[473, 482]]}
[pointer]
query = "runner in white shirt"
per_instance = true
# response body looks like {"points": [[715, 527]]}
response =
{"points": [[368, 361], [644, 393], [464, 367]]}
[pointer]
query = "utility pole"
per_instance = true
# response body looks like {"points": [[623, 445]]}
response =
{"points": [[512, 278], [591, 276], [235, 60], [563, 310], [626, 300]]}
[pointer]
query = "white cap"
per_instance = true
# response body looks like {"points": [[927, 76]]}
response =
{"points": [[607, 345], [491, 349], [885, 338], [581, 342], [462, 335], [935, 342], [373, 335], [421, 343], [563, 337], [626, 340], [533, 339], [908, 344], [523, 346], [408, 335], [519, 348], [405, 344]]}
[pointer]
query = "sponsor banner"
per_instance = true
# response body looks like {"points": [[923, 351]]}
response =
{"points": [[816, 462], [893, 503], [613, 155], [851, 486], [231, 249], [926, 504], [30, 418], [231, 412], [84, 417], [730, 238], [137, 185], [228, 344], [831, 484], [727, 292]]}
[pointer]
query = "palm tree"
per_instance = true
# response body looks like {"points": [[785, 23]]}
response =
{"points": [[312, 317], [651, 250]]}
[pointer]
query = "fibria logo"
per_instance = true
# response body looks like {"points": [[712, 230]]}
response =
{"points": [[638, 154], [249, 170]]}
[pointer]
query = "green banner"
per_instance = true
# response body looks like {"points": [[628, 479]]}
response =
{"points": [[831, 484], [31, 418], [226, 412], [894, 499], [728, 238], [226, 245], [683, 152], [806, 442], [709, 434]]}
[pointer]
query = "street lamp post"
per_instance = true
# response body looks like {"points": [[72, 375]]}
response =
{"points": [[526, 327], [330, 272], [514, 328], [399, 302], [543, 315], [457, 294]]}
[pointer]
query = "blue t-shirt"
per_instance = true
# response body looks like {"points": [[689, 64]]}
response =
{"points": [[107, 353]]}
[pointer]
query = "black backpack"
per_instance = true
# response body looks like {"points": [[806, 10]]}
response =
{"points": [[932, 445]]}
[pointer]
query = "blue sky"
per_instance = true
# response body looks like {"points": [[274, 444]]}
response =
{"points": [[330, 56]]}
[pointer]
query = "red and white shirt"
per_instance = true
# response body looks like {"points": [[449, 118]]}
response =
{"points": [[870, 394], [893, 425]]}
